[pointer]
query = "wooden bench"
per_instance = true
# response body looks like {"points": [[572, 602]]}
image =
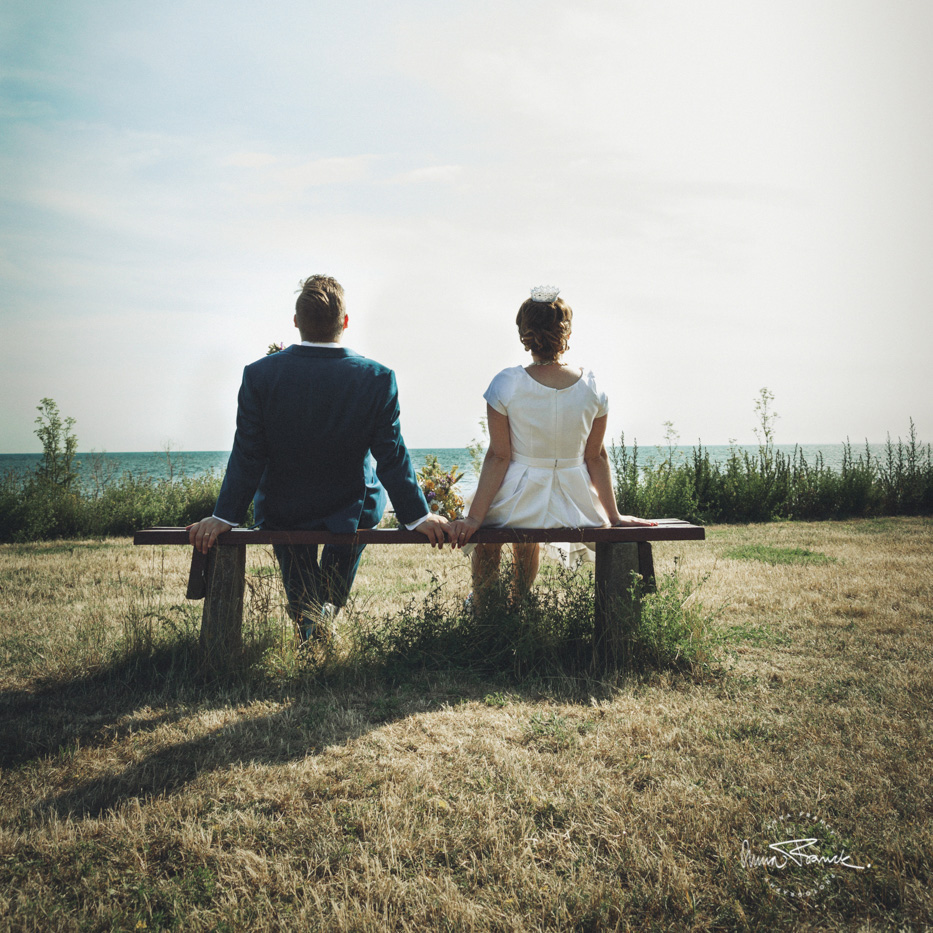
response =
{"points": [[219, 576]]}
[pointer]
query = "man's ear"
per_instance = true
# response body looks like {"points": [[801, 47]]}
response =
{"points": [[346, 321], [295, 320]]}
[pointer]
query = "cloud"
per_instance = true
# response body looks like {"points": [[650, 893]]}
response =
{"points": [[250, 159], [340, 170], [433, 173]]}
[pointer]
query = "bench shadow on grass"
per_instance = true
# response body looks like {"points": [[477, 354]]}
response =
{"points": [[138, 695], [430, 657]]}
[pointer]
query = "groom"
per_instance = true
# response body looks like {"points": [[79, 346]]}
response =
{"points": [[308, 419]]}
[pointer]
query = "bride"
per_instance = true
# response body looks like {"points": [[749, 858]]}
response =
{"points": [[547, 465]]}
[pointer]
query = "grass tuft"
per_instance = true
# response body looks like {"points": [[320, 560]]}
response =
{"points": [[778, 555]]}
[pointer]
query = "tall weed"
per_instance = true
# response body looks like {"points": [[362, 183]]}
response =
{"points": [[33, 510], [771, 485]]}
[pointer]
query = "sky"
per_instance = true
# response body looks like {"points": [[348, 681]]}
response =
{"points": [[731, 195]]}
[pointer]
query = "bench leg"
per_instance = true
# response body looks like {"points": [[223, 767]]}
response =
{"points": [[616, 610], [222, 619], [646, 566]]}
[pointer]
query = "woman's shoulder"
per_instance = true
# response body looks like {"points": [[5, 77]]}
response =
{"points": [[588, 377], [501, 390], [592, 384], [586, 380], [506, 376]]}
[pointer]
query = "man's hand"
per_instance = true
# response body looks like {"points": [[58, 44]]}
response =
{"points": [[433, 528], [203, 534]]}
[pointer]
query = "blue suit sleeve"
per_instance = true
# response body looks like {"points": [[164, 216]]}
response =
{"points": [[393, 463], [247, 459]]}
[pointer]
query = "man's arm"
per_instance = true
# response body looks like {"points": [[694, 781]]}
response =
{"points": [[395, 470], [393, 463], [244, 471], [249, 455]]}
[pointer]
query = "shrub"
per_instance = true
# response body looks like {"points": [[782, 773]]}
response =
{"points": [[771, 485], [50, 504], [672, 629], [549, 633]]}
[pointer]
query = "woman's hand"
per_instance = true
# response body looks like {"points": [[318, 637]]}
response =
{"points": [[624, 521], [460, 531]]}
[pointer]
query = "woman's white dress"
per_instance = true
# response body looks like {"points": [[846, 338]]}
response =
{"points": [[547, 484]]}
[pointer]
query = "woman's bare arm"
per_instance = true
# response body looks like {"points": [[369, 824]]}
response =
{"points": [[495, 465], [597, 464]]}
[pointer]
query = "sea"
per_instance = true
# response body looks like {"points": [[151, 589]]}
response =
{"points": [[95, 469]]}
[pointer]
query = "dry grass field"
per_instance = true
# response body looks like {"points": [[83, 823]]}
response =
{"points": [[134, 796]]}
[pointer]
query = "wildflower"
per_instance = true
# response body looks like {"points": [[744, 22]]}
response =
{"points": [[438, 488]]}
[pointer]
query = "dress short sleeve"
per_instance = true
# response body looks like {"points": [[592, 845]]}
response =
{"points": [[602, 400], [603, 408], [499, 393]]}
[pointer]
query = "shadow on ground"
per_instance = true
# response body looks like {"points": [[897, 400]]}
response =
{"points": [[140, 694]]}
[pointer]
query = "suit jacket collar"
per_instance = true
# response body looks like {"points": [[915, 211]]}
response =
{"points": [[331, 352]]}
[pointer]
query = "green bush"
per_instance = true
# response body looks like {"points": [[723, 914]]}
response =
{"points": [[51, 503], [32, 510], [673, 629], [773, 485], [140, 501], [746, 488], [906, 477]]}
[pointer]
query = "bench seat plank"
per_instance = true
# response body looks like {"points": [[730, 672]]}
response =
{"points": [[667, 529]]}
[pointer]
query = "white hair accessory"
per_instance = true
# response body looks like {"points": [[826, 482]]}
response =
{"points": [[545, 293]]}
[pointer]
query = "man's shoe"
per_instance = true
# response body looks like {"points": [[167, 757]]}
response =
{"points": [[321, 631], [326, 628]]}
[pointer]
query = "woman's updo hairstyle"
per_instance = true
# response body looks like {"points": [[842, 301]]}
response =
{"points": [[544, 327]]}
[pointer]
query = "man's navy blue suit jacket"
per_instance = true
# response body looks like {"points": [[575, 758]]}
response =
{"points": [[308, 419]]}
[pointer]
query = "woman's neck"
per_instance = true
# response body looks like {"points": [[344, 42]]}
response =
{"points": [[556, 376]]}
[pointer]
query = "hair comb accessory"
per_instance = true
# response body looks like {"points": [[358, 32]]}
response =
{"points": [[545, 293]]}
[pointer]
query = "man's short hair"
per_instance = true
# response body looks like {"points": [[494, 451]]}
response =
{"points": [[320, 309]]}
